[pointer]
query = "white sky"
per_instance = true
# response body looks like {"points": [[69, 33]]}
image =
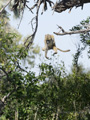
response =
{"points": [[48, 24]]}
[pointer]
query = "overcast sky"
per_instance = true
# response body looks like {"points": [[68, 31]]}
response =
{"points": [[48, 24]]}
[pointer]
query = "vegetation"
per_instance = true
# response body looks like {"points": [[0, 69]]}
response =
{"points": [[52, 94]]}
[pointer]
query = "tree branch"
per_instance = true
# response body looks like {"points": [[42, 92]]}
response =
{"points": [[5, 6], [4, 72], [31, 37], [68, 4], [4, 100], [63, 32], [29, 9], [20, 68]]}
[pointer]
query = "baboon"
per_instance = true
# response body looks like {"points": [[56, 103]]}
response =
{"points": [[50, 44]]}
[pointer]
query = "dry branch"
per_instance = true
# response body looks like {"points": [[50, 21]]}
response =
{"points": [[68, 4], [63, 32], [73, 32], [29, 9], [31, 37]]}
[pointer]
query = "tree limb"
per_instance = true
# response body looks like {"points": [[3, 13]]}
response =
{"points": [[63, 32], [31, 37], [68, 4]]}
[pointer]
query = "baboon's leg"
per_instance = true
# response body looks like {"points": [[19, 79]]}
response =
{"points": [[55, 49]]}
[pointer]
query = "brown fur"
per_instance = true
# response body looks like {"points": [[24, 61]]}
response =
{"points": [[50, 44]]}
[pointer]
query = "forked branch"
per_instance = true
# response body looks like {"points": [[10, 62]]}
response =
{"points": [[63, 32]]}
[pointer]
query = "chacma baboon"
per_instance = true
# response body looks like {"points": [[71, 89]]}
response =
{"points": [[50, 44]]}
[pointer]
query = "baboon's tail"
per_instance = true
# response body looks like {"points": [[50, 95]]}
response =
{"points": [[63, 50]]}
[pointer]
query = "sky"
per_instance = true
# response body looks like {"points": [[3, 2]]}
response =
{"points": [[48, 24]]}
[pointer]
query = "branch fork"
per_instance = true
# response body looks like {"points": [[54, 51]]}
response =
{"points": [[63, 32]]}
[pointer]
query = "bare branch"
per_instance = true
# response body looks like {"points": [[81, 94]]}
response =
{"points": [[21, 18], [32, 22], [31, 37], [5, 6], [29, 9], [33, 6], [61, 28], [63, 32]]}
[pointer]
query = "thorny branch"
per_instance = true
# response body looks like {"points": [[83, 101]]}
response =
{"points": [[63, 32]]}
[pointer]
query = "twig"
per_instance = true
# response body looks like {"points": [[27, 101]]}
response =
{"points": [[61, 28], [32, 22], [33, 6], [18, 66], [5, 6], [29, 9], [21, 19]]}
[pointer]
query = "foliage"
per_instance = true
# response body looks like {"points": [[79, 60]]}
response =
{"points": [[85, 38], [11, 73], [51, 95]]}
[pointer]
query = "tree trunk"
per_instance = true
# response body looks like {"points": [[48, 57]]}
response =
{"points": [[16, 114], [35, 117]]}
